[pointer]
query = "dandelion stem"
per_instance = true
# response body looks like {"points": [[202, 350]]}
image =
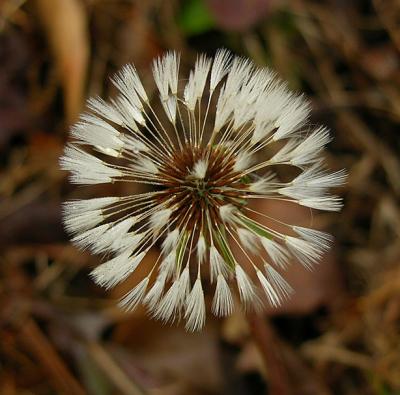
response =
{"points": [[268, 345]]}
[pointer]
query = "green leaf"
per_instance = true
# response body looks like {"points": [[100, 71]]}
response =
{"points": [[180, 251], [256, 228], [195, 18], [224, 249], [246, 179]]}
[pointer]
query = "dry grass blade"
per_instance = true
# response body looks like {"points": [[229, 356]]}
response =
{"points": [[113, 371], [47, 356]]}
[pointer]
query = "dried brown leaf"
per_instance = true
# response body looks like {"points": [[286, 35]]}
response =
{"points": [[65, 23]]}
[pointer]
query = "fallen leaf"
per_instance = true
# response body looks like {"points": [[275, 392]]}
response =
{"points": [[170, 354]]}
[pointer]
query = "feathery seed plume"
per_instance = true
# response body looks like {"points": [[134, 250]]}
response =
{"points": [[212, 149]]}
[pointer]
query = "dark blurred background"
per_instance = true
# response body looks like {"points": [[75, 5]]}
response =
{"points": [[60, 334]]}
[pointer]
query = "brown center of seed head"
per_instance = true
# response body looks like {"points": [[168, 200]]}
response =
{"points": [[190, 196]]}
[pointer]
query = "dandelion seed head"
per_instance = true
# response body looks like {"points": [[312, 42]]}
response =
{"points": [[202, 155]]}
